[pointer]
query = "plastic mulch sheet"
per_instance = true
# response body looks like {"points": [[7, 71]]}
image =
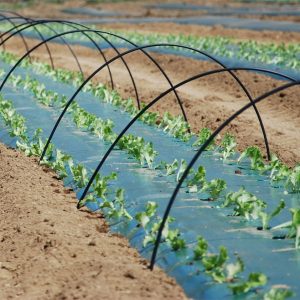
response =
{"points": [[276, 258], [228, 62]]}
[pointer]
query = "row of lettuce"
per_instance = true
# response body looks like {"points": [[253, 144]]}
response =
{"points": [[243, 203], [215, 265], [281, 55]]}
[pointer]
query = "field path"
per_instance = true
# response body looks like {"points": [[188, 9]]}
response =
{"points": [[50, 250]]}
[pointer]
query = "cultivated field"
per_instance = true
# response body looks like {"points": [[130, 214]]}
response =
{"points": [[172, 127]]}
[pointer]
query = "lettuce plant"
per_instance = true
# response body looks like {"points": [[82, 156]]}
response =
{"points": [[266, 218], [293, 226], [79, 173], [278, 293], [214, 187], [244, 204], [228, 146], [203, 136], [255, 156], [293, 180], [100, 184], [254, 280]]}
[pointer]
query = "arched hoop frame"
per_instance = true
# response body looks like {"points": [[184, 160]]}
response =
{"points": [[113, 59], [148, 106], [75, 25], [198, 154], [252, 102], [175, 92]]}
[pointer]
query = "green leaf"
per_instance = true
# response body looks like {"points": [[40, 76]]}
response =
{"points": [[214, 187], [254, 280], [182, 168], [203, 136], [278, 293], [201, 248]]}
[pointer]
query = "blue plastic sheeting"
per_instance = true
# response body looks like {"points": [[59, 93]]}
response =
{"points": [[283, 10], [228, 62], [228, 22], [91, 12], [276, 258]]}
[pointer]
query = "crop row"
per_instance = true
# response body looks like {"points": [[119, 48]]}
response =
{"points": [[282, 55], [252, 208], [213, 264]]}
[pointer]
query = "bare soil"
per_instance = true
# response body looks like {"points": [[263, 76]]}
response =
{"points": [[208, 101], [139, 9], [50, 250], [263, 36]]}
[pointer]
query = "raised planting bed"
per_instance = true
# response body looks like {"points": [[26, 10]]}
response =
{"points": [[220, 241]]}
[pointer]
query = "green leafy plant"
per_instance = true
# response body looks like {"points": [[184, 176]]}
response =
{"points": [[293, 180], [203, 136], [198, 178], [244, 204], [214, 264], [15, 121], [228, 146], [170, 168], [293, 226], [116, 208], [266, 218], [182, 168], [201, 248], [255, 156], [59, 164], [35, 146], [100, 184], [278, 293], [214, 187], [254, 280], [144, 217], [278, 170], [79, 173], [175, 126]]}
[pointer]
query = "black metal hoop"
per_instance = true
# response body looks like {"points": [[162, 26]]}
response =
{"points": [[197, 155]]}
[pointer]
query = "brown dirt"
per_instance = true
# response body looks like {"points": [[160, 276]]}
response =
{"points": [[50, 250], [208, 101], [264, 36], [138, 9]]}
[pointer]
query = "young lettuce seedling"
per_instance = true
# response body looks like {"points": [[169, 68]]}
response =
{"points": [[214, 187], [278, 293], [214, 264], [59, 165], [36, 146], [293, 181], [182, 168], [198, 179], [203, 136], [143, 218], [293, 226], [254, 280], [266, 218], [255, 156], [170, 168], [245, 204], [79, 173], [201, 248], [279, 171], [100, 184], [228, 145]]}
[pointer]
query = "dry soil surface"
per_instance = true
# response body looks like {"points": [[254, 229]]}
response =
{"points": [[140, 9], [50, 250], [207, 101]]}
